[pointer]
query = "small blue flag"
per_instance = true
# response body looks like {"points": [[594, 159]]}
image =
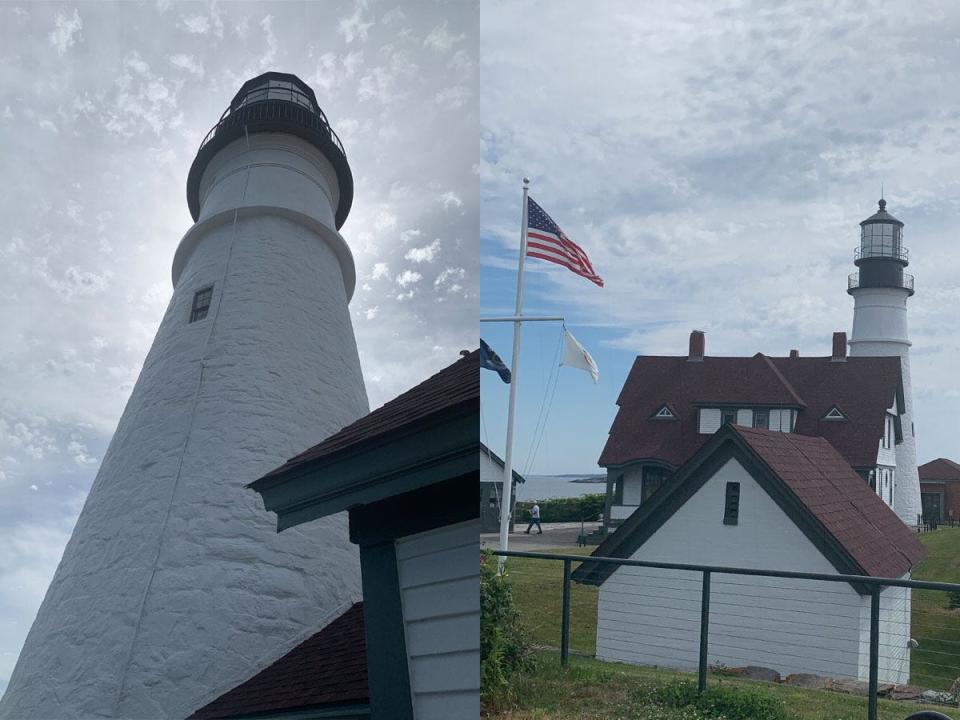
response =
{"points": [[491, 361]]}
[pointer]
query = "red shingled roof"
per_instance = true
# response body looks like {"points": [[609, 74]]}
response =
{"points": [[862, 387], [842, 503], [939, 469], [328, 669], [818, 489], [457, 384]]}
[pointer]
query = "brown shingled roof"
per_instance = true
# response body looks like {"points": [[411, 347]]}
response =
{"points": [[827, 499], [863, 387], [842, 503], [939, 469], [456, 385], [328, 669]]}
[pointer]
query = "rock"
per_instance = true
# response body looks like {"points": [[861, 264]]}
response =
{"points": [[906, 692], [936, 696], [807, 680], [755, 672], [851, 687]]}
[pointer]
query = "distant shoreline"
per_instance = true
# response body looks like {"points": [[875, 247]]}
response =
{"points": [[578, 478]]}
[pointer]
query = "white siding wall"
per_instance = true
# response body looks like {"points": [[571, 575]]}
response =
{"points": [[709, 420], [632, 486], [649, 616], [490, 471], [894, 662], [440, 593]]}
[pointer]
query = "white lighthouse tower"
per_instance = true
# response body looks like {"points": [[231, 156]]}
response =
{"points": [[175, 584], [880, 290]]}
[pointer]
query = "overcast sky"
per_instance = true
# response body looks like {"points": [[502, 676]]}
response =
{"points": [[714, 159], [102, 107]]}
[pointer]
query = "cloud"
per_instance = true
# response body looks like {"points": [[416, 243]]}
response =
{"points": [[188, 63], [449, 279], [371, 313], [197, 24], [66, 31], [441, 40], [353, 27], [451, 199], [452, 98], [380, 270], [426, 254], [408, 277]]}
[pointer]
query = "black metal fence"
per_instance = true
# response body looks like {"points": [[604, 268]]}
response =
{"points": [[821, 626]]}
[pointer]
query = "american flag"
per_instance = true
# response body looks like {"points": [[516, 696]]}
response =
{"points": [[545, 240]]}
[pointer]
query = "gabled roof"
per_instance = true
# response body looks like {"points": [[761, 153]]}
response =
{"points": [[422, 438], [863, 386], [939, 469], [808, 479], [517, 477], [455, 385], [327, 670]]}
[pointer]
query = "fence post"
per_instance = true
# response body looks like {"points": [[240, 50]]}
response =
{"points": [[565, 618], [874, 651], [704, 631]]}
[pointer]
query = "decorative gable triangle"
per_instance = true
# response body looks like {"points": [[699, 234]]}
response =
{"points": [[664, 413], [834, 414]]}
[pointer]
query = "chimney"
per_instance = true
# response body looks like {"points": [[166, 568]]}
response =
{"points": [[839, 347], [698, 346], [794, 353]]}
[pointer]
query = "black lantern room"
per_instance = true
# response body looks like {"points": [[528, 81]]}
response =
{"points": [[881, 256], [274, 102]]}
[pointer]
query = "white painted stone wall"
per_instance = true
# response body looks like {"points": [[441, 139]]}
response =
{"points": [[175, 585], [652, 617], [880, 329], [440, 596]]}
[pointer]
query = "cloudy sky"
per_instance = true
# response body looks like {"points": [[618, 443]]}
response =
{"points": [[714, 159], [102, 107]]}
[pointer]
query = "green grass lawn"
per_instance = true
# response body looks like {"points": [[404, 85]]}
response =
{"points": [[594, 690], [538, 591], [936, 663]]}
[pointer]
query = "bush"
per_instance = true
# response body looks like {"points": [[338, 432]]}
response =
{"points": [[953, 600], [504, 647], [585, 507], [716, 701]]}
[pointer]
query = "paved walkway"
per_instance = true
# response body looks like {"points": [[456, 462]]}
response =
{"points": [[555, 535]]}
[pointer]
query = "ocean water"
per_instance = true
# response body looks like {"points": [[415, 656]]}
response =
{"points": [[541, 487]]}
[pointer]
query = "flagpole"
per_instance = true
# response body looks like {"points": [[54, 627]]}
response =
{"points": [[506, 497]]}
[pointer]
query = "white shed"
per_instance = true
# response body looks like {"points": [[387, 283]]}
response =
{"points": [[763, 500]]}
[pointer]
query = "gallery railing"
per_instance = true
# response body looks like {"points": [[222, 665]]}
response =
{"points": [[677, 615]]}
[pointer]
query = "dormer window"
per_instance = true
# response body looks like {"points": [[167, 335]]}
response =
{"points": [[664, 413], [834, 414]]}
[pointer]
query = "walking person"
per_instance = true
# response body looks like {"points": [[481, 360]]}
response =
{"points": [[535, 519]]}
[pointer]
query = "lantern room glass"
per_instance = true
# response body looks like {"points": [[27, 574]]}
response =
{"points": [[881, 240]]}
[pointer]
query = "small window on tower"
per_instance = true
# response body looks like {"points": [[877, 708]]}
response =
{"points": [[731, 506], [834, 414], [201, 304]]}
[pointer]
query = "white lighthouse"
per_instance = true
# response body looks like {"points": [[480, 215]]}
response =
{"points": [[880, 290], [175, 584]]}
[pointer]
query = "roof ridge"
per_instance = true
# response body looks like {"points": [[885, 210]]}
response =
{"points": [[783, 380]]}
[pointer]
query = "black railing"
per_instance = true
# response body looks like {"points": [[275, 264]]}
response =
{"points": [[879, 249], [853, 282], [871, 586], [275, 107]]}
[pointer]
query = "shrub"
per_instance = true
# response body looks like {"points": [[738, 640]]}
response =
{"points": [[504, 647], [724, 701], [953, 599], [585, 507]]}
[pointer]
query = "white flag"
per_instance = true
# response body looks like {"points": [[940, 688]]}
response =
{"points": [[575, 356]]}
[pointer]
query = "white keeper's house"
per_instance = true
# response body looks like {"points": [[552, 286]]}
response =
{"points": [[860, 401], [767, 500]]}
